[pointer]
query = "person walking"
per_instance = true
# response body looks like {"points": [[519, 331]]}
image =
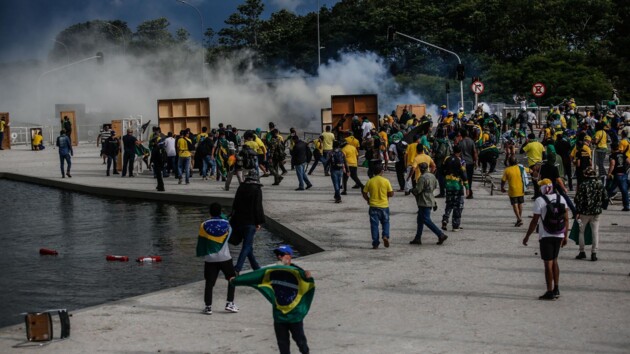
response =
{"points": [[397, 151], [298, 161], [213, 246], [618, 169], [425, 200], [589, 199], [247, 217], [552, 218], [456, 182], [129, 152], [290, 289], [376, 193], [65, 152], [470, 157], [112, 149], [352, 159], [337, 165], [514, 176], [184, 146], [277, 155], [328, 139], [158, 154], [600, 141]]}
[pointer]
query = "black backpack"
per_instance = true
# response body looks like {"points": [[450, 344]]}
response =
{"points": [[554, 222], [338, 159], [401, 149], [248, 157]]}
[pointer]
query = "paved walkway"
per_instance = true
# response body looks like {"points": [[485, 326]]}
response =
{"points": [[475, 294]]}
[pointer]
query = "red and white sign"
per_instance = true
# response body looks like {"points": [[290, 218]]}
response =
{"points": [[539, 89], [477, 87]]}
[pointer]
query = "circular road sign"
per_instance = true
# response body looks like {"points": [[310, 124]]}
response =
{"points": [[539, 89], [477, 87]]}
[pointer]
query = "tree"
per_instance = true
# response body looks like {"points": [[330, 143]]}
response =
{"points": [[244, 26]]}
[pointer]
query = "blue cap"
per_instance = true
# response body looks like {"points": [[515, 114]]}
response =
{"points": [[283, 249]]}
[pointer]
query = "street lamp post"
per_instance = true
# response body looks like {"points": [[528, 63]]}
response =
{"points": [[319, 46], [66, 48], [122, 34], [201, 27], [391, 31]]}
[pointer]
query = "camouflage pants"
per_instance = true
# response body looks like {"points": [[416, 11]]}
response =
{"points": [[454, 203]]}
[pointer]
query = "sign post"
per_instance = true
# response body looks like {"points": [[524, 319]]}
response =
{"points": [[477, 88]]}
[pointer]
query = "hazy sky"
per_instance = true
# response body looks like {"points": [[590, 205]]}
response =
{"points": [[28, 27]]}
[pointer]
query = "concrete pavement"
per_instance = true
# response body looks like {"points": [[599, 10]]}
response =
{"points": [[475, 294]]}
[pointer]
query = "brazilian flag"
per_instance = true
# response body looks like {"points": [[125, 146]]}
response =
{"points": [[286, 287], [212, 236]]}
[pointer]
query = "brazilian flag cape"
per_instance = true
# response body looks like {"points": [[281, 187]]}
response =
{"points": [[286, 287], [212, 236]]}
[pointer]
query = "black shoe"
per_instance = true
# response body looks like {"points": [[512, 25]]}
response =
{"points": [[160, 190], [116, 172], [309, 186], [547, 296], [556, 293], [441, 239], [299, 189], [581, 255], [593, 257], [107, 174], [344, 193], [444, 225], [69, 175], [337, 201], [415, 242], [386, 242], [625, 209]]}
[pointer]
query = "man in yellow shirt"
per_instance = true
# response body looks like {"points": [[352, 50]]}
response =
{"points": [[600, 140], [533, 149], [184, 145], [351, 140], [514, 175], [420, 158], [37, 141], [352, 159], [376, 193], [3, 123], [327, 141]]}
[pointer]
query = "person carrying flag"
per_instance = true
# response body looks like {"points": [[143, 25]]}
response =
{"points": [[290, 289], [213, 246]]}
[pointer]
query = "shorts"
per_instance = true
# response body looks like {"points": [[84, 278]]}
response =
{"points": [[517, 200], [550, 248]]}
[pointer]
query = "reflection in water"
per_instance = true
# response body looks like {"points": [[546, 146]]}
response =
{"points": [[84, 229]]}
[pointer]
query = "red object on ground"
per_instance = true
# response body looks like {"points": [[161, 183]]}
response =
{"points": [[47, 252], [149, 259], [112, 258]]}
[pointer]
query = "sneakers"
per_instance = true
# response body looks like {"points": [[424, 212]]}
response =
{"points": [[415, 242], [556, 293], [386, 242], [441, 239], [457, 229], [230, 307], [580, 255], [207, 310], [549, 295], [444, 226], [593, 257]]}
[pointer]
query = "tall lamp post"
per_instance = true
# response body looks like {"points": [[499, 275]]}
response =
{"points": [[319, 46], [66, 48], [122, 34], [391, 31], [201, 27]]}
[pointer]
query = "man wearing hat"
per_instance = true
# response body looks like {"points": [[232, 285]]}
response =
{"points": [[553, 234], [247, 217], [112, 149], [589, 199]]}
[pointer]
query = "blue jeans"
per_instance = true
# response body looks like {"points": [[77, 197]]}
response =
{"points": [[379, 215], [424, 218], [170, 165], [207, 161], [183, 165], [128, 160], [66, 158], [300, 171], [335, 175], [620, 181], [247, 250]]}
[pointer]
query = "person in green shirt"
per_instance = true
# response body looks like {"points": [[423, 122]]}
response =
{"points": [[423, 191]]}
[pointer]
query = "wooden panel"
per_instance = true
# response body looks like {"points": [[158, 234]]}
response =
{"points": [[164, 109], [6, 139], [365, 104], [166, 126], [326, 116], [204, 109], [418, 109], [192, 108], [194, 124], [73, 120], [179, 109], [342, 105], [117, 126]]}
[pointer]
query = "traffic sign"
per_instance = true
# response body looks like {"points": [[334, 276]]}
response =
{"points": [[539, 89], [477, 87]]}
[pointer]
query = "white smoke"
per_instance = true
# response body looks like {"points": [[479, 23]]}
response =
{"points": [[126, 85]]}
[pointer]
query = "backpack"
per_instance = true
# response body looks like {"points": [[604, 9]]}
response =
{"points": [[554, 222], [248, 157], [401, 148], [337, 159]]}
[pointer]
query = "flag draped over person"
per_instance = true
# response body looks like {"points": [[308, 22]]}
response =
{"points": [[212, 236]]}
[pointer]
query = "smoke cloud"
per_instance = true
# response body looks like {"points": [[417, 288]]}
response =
{"points": [[126, 85]]}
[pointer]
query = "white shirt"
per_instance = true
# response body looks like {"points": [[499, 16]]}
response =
{"points": [[169, 145], [366, 126], [531, 117], [540, 207], [393, 152]]}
